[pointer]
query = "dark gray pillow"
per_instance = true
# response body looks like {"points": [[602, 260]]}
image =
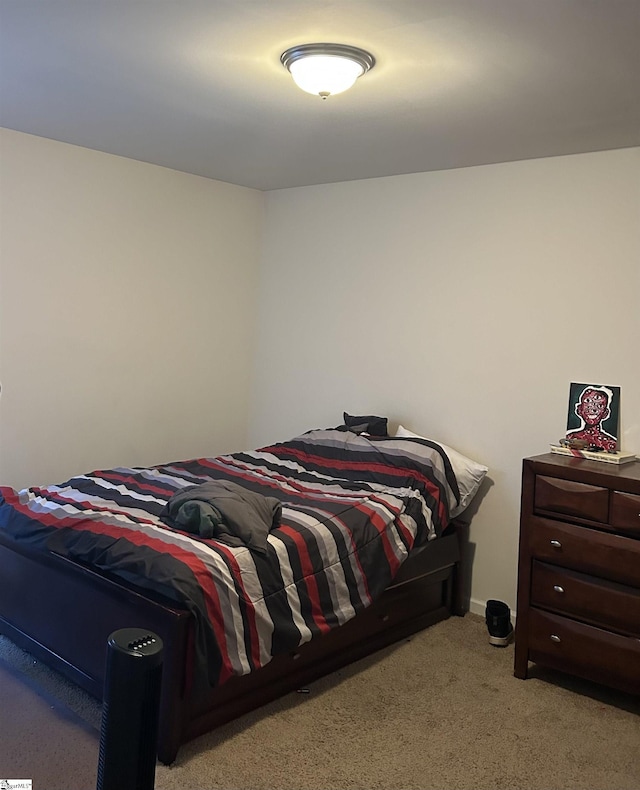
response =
{"points": [[376, 426]]}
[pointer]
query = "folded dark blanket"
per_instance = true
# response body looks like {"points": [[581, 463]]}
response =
{"points": [[225, 511]]}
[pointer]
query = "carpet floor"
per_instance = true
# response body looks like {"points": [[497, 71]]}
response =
{"points": [[440, 710]]}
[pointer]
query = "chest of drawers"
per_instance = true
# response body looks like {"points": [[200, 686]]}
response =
{"points": [[579, 570]]}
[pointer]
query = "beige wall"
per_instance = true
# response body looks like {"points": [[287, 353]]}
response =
{"points": [[127, 308], [460, 303]]}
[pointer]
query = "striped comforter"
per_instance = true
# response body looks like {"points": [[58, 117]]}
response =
{"points": [[353, 508]]}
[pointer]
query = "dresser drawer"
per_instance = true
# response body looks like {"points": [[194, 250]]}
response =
{"points": [[625, 512], [584, 650], [614, 606], [571, 499], [612, 557]]}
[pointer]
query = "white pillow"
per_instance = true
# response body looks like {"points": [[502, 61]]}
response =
{"points": [[469, 474]]}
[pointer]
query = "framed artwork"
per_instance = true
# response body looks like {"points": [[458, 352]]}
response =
{"points": [[594, 416]]}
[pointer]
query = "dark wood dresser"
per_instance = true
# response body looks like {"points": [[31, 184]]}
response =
{"points": [[579, 570]]}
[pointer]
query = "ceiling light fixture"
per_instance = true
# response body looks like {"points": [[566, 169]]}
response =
{"points": [[326, 69]]}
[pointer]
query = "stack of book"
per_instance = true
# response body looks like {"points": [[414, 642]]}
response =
{"points": [[607, 458]]}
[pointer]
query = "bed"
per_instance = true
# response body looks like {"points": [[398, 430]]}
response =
{"points": [[366, 550]]}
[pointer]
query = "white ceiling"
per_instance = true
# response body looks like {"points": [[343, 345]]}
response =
{"points": [[197, 85]]}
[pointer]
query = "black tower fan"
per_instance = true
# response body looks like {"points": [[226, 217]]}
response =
{"points": [[129, 734]]}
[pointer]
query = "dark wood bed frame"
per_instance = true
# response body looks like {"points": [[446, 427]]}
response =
{"points": [[63, 613]]}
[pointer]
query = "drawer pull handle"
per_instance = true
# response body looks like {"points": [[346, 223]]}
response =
{"points": [[555, 638], [556, 544], [557, 588]]}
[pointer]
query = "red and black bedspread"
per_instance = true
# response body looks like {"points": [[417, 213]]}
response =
{"points": [[353, 508]]}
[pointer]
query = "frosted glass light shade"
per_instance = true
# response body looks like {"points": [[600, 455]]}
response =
{"points": [[326, 69], [325, 75]]}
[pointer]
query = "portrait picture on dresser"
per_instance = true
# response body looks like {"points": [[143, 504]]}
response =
{"points": [[594, 416]]}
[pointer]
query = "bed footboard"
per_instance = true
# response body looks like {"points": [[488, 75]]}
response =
{"points": [[63, 613]]}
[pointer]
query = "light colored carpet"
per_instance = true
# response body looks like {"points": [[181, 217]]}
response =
{"points": [[441, 710]]}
